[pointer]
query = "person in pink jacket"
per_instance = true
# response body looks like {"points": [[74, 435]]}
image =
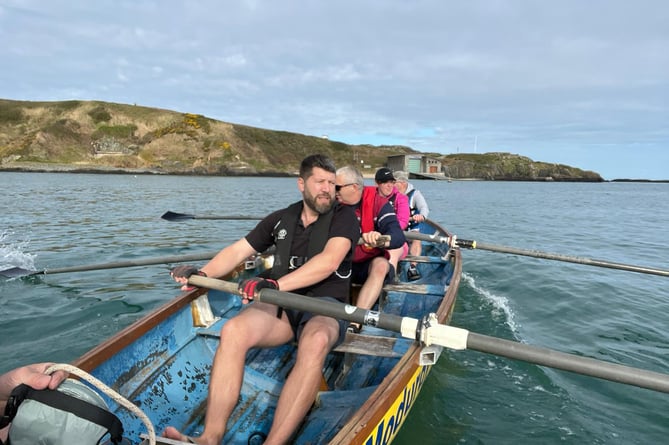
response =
{"points": [[385, 186]]}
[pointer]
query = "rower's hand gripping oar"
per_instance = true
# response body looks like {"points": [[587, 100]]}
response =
{"points": [[471, 244], [429, 332]]}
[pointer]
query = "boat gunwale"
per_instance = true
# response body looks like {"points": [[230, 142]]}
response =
{"points": [[367, 418], [128, 335]]}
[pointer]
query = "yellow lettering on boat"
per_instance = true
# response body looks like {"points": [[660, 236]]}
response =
{"points": [[387, 428]]}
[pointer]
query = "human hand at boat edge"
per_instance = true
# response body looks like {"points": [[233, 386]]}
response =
{"points": [[183, 272], [249, 288], [33, 375]]}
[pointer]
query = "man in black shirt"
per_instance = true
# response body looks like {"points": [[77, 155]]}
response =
{"points": [[314, 240]]}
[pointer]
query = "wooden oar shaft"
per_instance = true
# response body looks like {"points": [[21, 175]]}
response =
{"points": [[568, 259], [569, 362], [453, 337]]}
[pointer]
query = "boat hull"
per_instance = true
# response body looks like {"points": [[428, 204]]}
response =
{"points": [[163, 361]]}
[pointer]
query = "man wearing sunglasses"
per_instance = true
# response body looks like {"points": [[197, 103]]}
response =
{"points": [[376, 216]]}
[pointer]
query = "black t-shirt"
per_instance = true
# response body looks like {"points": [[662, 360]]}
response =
{"points": [[344, 224]]}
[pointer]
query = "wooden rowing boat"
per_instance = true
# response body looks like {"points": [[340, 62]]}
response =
{"points": [[162, 362]]}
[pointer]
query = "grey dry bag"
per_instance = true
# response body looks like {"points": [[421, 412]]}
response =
{"points": [[71, 414]]}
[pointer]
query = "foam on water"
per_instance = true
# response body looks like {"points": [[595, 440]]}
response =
{"points": [[500, 303], [13, 253]]}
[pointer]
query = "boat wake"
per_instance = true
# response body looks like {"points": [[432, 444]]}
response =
{"points": [[501, 307], [12, 253]]}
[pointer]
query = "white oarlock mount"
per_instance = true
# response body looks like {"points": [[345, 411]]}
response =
{"points": [[430, 332]]}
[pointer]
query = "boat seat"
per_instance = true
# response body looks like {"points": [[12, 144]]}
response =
{"points": [[353, 343], [371, 345], [421, 259], [409, 288]]}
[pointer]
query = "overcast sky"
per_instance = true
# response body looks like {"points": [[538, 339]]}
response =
{"points": [[583, 83]]}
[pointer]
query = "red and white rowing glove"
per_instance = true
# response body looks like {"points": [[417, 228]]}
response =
{"points": [[249, 288]]}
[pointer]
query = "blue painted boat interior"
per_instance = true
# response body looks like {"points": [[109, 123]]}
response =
{"points": [[166, 372]]}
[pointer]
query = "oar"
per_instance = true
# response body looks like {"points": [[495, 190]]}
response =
{"points": [[15, 272], [430, 332], [467, 244], [173, 216], [471, 244], [20, 272]]}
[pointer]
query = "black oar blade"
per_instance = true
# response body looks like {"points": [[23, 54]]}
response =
{"points": [[16, 272], [173, 216]]}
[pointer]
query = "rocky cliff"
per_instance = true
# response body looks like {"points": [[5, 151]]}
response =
{"points": [[510, 167]]}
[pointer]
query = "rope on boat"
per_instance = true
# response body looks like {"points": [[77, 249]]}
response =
{"points": [[115, 396]]}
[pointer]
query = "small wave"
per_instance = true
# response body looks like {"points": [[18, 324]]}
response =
{"points": [[501, 304], [13, 253]]}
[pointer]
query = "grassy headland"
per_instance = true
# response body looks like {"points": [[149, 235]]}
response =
{"points": [[101, 137]]}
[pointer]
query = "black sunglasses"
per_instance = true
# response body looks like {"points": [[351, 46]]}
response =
{"points": [[339, 187]]}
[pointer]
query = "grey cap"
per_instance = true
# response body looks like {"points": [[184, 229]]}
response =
{"points": [[401, 176]]}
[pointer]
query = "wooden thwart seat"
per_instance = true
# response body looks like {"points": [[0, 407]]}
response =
{"points": [[353, 343], [408, 288], [368, 345], [418, 259]]}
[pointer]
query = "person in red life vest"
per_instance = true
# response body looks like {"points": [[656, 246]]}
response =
{"points": [[385, 186], [314, 241], [376, 217]]}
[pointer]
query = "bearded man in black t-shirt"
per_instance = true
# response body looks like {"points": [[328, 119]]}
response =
{"points": [[314, 239]]}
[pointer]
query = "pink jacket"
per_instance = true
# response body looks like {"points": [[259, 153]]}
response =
{"points": [[401, 204]]}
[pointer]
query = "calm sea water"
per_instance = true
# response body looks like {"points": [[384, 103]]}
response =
{"points": [[59, 220]]}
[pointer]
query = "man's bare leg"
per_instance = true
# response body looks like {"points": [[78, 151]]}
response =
{"points": [[395, 256], [302, 385], [416, 247], [257, 325], [371, 289]]}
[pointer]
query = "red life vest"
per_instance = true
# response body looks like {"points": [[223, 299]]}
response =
{"points": [[367, 213]]}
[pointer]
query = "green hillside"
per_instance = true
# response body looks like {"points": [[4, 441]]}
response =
{"points": [[103, 136]]}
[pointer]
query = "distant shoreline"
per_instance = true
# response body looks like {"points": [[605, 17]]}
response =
{"points": [[640, 180], [36, 167]]}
